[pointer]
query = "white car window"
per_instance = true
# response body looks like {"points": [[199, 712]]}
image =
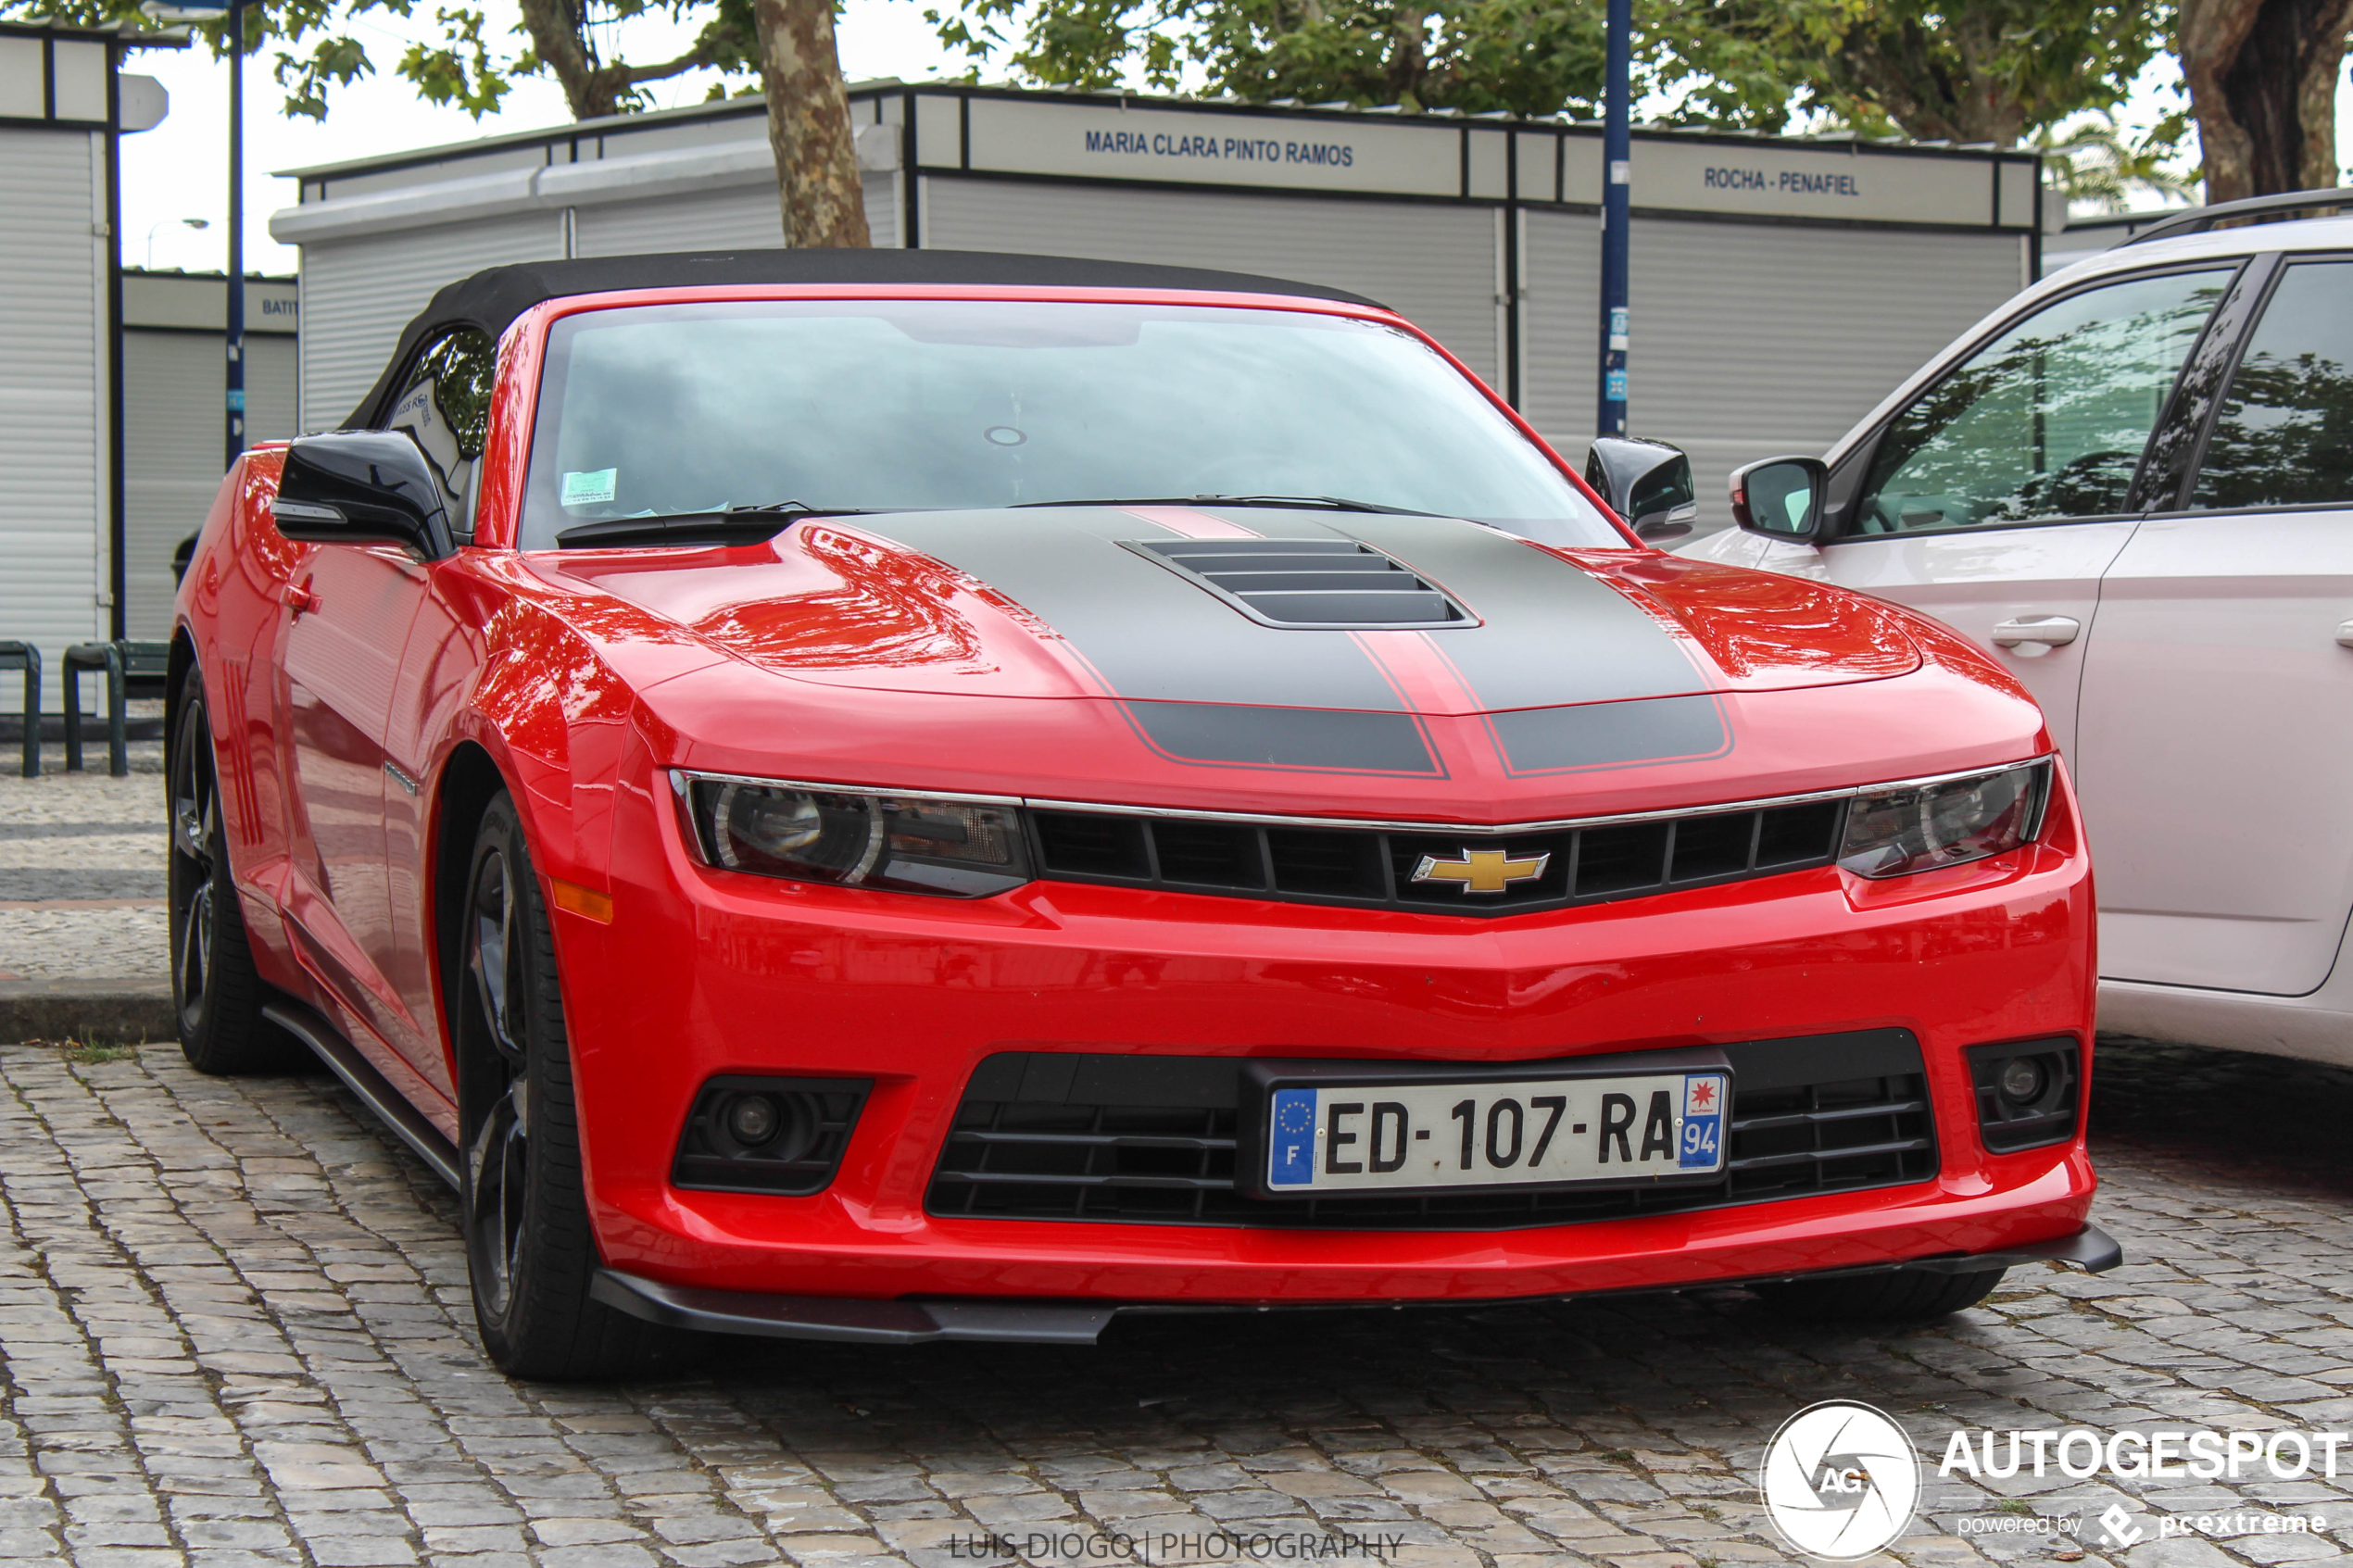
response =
{"points": [[2284, 437], [2048, 420]]}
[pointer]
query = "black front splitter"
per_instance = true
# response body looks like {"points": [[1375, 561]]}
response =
{"points": [[1013, 1321]]}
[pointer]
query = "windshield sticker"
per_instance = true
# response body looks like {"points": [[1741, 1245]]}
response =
{"points": [[587, 489]]}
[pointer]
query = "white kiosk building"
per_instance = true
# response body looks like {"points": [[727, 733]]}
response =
{"points": [[1780, 287], [63, 101]]}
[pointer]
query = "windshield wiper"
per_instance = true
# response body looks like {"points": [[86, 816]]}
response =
{"points": [[1329, 503], [737, 525]]}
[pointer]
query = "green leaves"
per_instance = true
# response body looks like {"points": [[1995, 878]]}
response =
{"points": [[334, 61], [465, 63], [1970, 70], [2094, 159], [1527, 57]]}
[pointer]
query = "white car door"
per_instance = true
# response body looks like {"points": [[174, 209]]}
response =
{"points": [[2215, 751], [1996, 498]]}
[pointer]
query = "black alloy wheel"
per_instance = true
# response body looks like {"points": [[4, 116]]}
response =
{"points": [[216, 994], [530, 1252], [497, 1162]]}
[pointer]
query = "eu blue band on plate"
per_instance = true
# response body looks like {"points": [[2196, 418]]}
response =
{"points": [[1701, 1145], [1291, 1138]]}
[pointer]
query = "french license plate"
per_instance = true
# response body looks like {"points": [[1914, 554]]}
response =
{"points": [[1413, 1137]]}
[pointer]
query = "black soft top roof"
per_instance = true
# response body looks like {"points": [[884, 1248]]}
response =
{"points": [[492, 298]]}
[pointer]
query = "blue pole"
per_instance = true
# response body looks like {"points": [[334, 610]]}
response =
{"points": [[236, 321], [1617, 141]]}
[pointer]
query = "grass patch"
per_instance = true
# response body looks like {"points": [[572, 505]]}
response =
{"points": [[93, 1050]]}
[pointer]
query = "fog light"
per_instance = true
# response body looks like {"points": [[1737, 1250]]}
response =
{"points": [[2023, 1080], [2028, 1092], [752, 1119], [759, 1132]]}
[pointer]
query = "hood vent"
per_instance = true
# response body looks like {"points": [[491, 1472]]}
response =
{"points": [[1309, 585]]}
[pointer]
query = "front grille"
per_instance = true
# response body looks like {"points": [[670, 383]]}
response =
{"points": [[1148, 1139], [1464, 875], [1331, 585]]}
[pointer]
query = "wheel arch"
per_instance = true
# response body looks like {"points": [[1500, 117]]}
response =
{"points": [[175, 677], [469, 779]]}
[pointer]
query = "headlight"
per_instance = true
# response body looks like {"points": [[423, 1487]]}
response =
{"points": [[1896, 832], [912, 843]]}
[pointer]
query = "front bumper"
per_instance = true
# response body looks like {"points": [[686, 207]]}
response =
{"points": [[701, 974], [920, 1321]]}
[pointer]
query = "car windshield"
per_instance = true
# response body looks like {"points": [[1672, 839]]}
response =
{"points": [[901, 405]]}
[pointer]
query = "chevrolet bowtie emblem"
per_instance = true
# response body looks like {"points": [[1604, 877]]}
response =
{"points": [[1481, 871]]}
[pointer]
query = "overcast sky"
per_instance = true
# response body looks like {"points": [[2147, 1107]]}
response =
{"points": [[179, 170]]}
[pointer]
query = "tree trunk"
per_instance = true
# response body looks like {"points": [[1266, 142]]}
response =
{"points": [[808, 128], [2262, 81], [556, 38], [1895, 65]]}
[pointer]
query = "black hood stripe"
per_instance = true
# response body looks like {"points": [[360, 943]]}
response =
{"points": [[1333, 740], [1610, 734], [1560, 659], [1147, 632], [1551, 633]]}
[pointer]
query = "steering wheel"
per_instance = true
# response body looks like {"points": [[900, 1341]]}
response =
{"points": [[2057, 492]]}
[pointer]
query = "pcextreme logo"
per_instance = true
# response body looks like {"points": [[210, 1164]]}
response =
{"points": [[1839, 1480]]}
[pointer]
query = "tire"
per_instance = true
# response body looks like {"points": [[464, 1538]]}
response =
{"points": [[530, 1253], [216, 994], [1905, 1296]]}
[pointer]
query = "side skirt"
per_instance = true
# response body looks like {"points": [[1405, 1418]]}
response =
{"points": [[359, 1075]]}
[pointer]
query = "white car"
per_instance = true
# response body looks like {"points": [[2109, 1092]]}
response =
{"points": [[2135, 483]]}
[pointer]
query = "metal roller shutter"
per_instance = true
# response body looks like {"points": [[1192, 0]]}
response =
{"points": [[357, 293], [882, 210], [55, 425], [745, 217], [1827, 323], [1560, 273], [1435, 264], [172, 443], [1749, 340]]}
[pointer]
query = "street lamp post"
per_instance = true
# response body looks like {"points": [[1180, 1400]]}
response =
{"points": [[236, 324], [1618, 142], [183, 222]]}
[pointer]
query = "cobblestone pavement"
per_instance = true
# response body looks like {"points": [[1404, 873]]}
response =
{"points": [[233, 1323], [81, 868]]}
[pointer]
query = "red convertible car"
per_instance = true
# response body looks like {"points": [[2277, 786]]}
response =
{"points": [[895, 796]]}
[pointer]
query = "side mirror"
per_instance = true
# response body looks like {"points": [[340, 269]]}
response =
{"points": [[1648, 484], [362, 487], [1781, 498]]}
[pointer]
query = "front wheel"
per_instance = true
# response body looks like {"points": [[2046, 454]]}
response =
{"points": [[1905, 1296], [530, 1253], [215, 994]]}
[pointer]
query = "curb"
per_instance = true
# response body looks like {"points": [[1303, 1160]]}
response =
{"points": [[86, 1008]]}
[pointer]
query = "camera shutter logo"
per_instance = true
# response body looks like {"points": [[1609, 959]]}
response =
{"points": [[1839, 1480]]}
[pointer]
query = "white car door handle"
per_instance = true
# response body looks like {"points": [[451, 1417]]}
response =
{"points": [[2056, 631], [2345, 634]]}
